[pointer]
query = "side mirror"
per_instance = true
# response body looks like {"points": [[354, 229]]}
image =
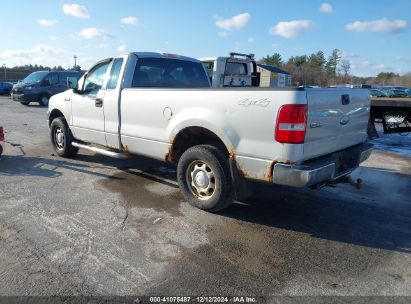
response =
{"points": [[72, 83]]}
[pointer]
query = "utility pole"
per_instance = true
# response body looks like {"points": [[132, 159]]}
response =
{"points": [[75, 61], [5, 72]]}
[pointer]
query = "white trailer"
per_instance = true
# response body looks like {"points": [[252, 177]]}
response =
{"points": [[237, 70]]}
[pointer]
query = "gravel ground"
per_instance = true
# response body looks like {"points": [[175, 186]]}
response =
{"points": [[98, 226]]}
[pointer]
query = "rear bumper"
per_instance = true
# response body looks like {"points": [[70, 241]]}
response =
{"points": [[324, 169]]}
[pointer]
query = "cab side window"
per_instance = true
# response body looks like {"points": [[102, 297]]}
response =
{"points": [[114, 73], [95, 79]]}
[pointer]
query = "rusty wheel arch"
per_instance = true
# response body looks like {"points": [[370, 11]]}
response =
{"points": [[192, 136]]}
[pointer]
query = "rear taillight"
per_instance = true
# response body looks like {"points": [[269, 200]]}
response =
{"points": [[1, 134], [291, 124]]}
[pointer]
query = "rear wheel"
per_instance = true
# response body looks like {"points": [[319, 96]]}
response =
{"points": [[44, 100], [61, 138], [204, 179]]}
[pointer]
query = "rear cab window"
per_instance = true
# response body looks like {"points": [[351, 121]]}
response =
{"points": [[169, 73]]}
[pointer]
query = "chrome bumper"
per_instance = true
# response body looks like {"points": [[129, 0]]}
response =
{"points": [[322, 170]]}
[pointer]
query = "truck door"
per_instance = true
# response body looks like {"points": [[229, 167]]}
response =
{"points": [[88, 106], [111, 102]]}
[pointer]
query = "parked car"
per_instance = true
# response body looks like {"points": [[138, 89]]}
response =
{"points": [[388, 92], [162, 106], [40, 86], [5, 88], [377, 93], [399, 93]]}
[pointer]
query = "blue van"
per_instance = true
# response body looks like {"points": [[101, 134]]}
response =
{"points": [[40, 86]]}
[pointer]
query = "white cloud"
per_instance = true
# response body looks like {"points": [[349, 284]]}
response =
{"points": [[102, 45], [92, 32], [365, 63], [51, 37], [76, 10], [130, 21], [347, 55], [275, 44], [223, 34], [374, 67], [46, 22], [367, 68], [326, 8], [86, 62], [404, 58], [12, 54], [251, 39], [43, 54], [234, 23], [291, 29], [378, 26], [122, 48], [47, 49]]}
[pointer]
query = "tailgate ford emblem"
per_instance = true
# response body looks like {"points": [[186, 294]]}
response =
{"points": [[344, 120]]}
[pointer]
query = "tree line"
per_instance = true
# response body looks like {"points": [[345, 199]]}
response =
{"points": [[20, 72], [319, 70]]}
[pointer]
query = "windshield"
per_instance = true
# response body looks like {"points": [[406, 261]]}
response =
{"points": [[35, 77]]}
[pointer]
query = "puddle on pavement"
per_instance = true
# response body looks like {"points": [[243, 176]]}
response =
{"points": [[147, 189]]}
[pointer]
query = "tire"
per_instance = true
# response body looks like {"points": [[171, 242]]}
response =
{"points": [[1, 150], [204, 178], [25, 103], [44, 100], [61, 138]]}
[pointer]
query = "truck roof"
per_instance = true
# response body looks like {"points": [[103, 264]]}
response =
{"points": [[214, 58], [163, 55]]}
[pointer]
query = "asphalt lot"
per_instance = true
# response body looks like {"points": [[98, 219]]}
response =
{"points": [[98, 226]]}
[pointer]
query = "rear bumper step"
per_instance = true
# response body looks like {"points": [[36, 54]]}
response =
{"points": [[114, 154]]}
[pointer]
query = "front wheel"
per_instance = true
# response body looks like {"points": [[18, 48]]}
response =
{"points": [[1, 150], [61, 138], [204, 178]]}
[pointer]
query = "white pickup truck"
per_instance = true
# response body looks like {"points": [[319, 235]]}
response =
{"points": [[162, 106]]}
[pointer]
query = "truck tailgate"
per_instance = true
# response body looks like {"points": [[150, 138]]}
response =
{"points": [[337, 119]]}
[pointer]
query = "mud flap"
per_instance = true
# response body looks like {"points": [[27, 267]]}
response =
{"points": [[371, 130], [241, 188]]}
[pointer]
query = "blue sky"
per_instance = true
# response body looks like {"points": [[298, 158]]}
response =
{"points": [[374, 35]]}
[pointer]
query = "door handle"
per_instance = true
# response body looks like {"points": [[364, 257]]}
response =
{"points": [[99, 102]]}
